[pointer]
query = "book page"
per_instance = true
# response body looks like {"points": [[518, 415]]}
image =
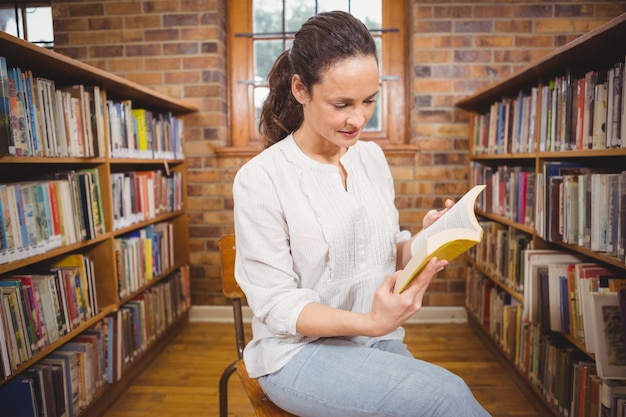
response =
{"points": [[460, 216]]}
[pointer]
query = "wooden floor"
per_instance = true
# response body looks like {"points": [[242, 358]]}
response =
{"points": [[183, 380]]}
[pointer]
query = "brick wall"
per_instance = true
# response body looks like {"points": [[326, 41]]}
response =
{"points": [[178, 47]]}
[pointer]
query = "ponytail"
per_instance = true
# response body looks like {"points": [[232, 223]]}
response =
{"points": [[281, 113]]}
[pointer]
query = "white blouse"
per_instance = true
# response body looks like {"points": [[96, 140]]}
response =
{"points": [[302, 237]]}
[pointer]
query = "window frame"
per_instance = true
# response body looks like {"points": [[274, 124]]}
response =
{"points": [[393, 92], [21, 7]]}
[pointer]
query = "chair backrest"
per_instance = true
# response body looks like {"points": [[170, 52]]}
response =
{"points": [[231, 289], [263, 406]]}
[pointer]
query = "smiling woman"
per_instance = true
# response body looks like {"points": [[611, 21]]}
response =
{"points": [[319, 243], [339, 107]]}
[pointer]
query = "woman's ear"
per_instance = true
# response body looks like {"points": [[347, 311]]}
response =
{"points": [[298, 89]]}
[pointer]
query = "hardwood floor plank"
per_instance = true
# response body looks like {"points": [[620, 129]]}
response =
{"points": [[183, 380]]}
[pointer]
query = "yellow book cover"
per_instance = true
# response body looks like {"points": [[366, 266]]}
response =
{"points": [[141, 125], [76, 261], [450, 236], [148, 258]]}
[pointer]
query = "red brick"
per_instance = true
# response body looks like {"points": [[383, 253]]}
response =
{"points": [[513, 55], [493, 11], [121, 7], [160, 6], [453, 41], [169, 34], [433, 26], [473, 26], [497, 41], [533, 10], [449, 12], [181, 19], [91, 9]]}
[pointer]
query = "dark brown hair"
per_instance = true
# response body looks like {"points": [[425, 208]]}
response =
{"points": [[322, 41]]}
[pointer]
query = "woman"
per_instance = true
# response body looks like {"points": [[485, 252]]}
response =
{"points": [[318, 244]]}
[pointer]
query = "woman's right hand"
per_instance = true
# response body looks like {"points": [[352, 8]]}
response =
{"points": [[389, 310]]}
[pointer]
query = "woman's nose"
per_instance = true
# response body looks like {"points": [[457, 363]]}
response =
{"points": [[357, 117]]}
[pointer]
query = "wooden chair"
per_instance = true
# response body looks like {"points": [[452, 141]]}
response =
{"points": [[262, 405]]}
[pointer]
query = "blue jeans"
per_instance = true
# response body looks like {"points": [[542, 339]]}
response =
{"points": [[337, 378]]}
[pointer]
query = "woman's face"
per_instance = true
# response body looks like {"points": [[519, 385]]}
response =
{"points": [[337, 109]]}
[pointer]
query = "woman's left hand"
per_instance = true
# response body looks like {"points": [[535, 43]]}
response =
{"points": [[433, 215], [390, 310]]}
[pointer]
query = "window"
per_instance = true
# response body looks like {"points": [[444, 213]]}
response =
{"points": [[259, 30], [29, 20]]}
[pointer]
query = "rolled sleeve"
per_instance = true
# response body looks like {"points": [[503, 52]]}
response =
{"points": [[266, 276]]}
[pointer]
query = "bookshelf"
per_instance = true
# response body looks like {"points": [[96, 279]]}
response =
{"points": [[94, 231], [536, 142]]}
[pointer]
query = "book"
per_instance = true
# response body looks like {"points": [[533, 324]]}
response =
{"points": [[18, 398], [550, 206], [621, 300], [6, 367], [532, 261], [50, 389], [37, 378], [95, 98], [43, 287], [599, 117], [36, 311], [609, 391], [7, 146], [18, 118], [581, 400], [621, 241], [613, 212], [83, 354], [451, 235], [599, 211], [587, 276], [19, 315], [559, 298], [64, 383], [608, 336], [81, 284]]}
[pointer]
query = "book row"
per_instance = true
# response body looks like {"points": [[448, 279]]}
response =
{"points": [[142, 255], [570, 112], [142, 195], [67, 380], [37, 216], [39, 118], [140, 133], [510, 191], [500, 253], [42, 305], [583, 206], [506, 254], [147, 315], [556, 286], [572, 203], [567, 295], [558, 369]]}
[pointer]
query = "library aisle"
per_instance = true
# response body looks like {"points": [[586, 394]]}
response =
{"points": [[183, 379]]}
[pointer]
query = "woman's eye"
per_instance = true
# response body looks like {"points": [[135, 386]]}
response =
{"points": [[340, 106]]}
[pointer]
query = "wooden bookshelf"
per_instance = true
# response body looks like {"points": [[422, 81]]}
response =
{"points": [[599, 50], [160, 284]]}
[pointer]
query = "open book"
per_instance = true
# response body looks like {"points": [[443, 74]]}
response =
{"points": [[451, 235]]}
